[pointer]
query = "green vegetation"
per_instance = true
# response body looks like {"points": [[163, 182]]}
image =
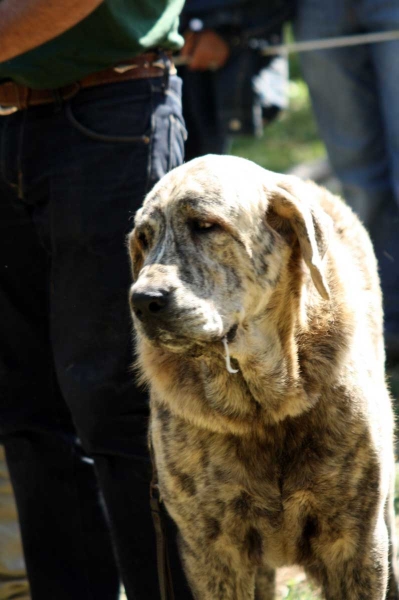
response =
{"points": [[297, 588], [301, 595]]}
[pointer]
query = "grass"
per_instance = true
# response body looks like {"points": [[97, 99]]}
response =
{"points": [[298, 595]]}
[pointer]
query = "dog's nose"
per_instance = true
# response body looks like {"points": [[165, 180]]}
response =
{"points": [[148, 304]]}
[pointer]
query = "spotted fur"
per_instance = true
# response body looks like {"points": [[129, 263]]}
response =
{"points": [[289, 461]]}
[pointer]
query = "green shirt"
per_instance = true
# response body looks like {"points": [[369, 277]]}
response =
{"points": [[116, 31]]}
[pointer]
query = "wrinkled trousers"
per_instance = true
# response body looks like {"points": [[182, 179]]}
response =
{"points": [[355, 92], [72, 420]]}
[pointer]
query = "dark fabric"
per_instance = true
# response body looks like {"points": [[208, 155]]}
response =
{"points": [[234, 100], [249, 17], [72, 177], [207, 133]]}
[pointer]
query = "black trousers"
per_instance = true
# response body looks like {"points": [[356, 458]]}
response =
{"points": [[72, 420]]}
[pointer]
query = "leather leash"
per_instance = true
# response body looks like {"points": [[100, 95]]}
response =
{"points": [[163, 562]]}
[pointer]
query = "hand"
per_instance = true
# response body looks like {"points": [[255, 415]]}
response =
{"points": [[205, 50]]}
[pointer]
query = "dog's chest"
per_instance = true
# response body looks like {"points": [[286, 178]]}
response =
{"points": [[267, 492]]}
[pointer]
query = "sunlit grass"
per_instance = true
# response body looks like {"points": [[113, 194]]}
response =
{"points": [[304, 595]]}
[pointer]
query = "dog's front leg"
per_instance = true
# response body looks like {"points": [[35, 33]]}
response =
{"points": [[214, 575], [362, 577], [265, 584]]}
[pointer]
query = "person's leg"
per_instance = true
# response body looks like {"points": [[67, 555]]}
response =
{"points": [[66, 542], [379, 15], [13, 577], [346, 104], [94, 181], [116, 142]]}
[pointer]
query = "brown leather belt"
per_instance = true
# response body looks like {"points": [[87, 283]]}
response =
{"points": [[14, 96]]}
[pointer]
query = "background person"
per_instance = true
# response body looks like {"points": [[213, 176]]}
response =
{"points": [[354, 92], [229, 88]]}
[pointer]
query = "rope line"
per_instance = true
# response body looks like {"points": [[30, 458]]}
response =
{"points": [[322, 44], [335, 42]]}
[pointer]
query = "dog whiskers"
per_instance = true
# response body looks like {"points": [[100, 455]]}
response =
{"points": [[227, 356]]}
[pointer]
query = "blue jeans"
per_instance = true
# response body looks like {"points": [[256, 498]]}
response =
{"points": [[355, 93], [72, 177]]}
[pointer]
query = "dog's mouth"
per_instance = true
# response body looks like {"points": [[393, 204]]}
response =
{"points": [[190, 345]]}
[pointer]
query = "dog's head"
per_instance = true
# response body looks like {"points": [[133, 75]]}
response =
{"points": [[209, 246]]}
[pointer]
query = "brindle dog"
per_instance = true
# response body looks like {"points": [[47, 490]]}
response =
{"points": [[259, 330]]}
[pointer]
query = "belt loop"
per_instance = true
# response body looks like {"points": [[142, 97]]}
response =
{"points": [[167, 69], [22, 97]]}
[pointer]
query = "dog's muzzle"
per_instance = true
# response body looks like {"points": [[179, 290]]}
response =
{"points": [[150, 304], [175, 317]]}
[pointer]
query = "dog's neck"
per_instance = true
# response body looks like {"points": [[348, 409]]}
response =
{"points": [[283, 360], [271, 382]]}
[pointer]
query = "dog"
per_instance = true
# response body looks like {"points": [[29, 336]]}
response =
{"points": [[257, 310]]}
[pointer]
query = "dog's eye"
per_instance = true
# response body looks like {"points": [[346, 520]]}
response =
{"points": [[203, 226]]}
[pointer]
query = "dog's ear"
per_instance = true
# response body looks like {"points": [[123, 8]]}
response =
{"points": [[291, 214], [136, 254]]}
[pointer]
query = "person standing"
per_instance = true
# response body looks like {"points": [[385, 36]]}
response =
{"points": [[229, 87], [90, 119]]}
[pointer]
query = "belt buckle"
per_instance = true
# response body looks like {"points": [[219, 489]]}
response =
{"points": [[7, 110]]}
